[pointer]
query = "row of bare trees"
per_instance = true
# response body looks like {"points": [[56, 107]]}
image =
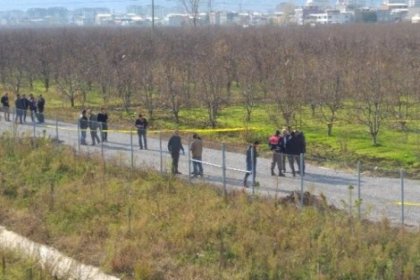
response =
{"points": [[373, 70]]}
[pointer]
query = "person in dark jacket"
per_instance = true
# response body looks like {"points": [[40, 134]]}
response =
{"points": [[301, 149], [20, 107], [292, 151], [83, 125], [141, 124], [41, 106], [6, 106], [32, 106], [25, 103], [251, 163], [103, 121], [93, 127], [174, 147]]}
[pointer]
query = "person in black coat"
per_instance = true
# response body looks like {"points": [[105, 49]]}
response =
{"points": [[103, 120], [41, 106], [292, 151], [20, 107], [6, 106], [251, 163], [32, 106], [25, 104], [142, 124], [93, 127], [174, 147], [83, 125], [301, 149]]}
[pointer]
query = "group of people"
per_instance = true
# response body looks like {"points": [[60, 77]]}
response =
{"points": [[283, 144], [24, 104], [174, 147], [288, 143], [89, 120], [196, 148]]}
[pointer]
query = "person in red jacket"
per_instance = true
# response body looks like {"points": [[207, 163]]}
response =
{"points": [[274, 142]]}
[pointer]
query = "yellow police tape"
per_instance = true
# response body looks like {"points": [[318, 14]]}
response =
{"points": [[408, 203], [165, 130]]}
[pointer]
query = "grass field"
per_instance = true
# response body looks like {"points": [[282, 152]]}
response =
{"points": [[141, 225]]}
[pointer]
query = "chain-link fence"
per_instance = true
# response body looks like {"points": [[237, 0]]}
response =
{"points": [[359, 190]]}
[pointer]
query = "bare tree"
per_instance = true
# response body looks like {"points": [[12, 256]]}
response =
{"points": [[371, 106], [192, 8]]}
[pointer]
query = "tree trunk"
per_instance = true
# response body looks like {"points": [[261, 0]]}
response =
{"points": [[374, 139], [46, 84], [330, 126]]}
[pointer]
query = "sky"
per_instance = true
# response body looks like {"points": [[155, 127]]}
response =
{"points": [[120, 5]]}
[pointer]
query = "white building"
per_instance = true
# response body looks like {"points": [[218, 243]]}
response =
{"points": [[329, 17], [318, 3], [103, 18], [343, 4], [413, 3]]}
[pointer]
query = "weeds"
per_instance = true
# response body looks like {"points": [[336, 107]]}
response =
{"points": [[140, 225]]}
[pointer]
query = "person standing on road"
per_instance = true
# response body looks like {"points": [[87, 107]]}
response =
{"points": [[103, 121], [285, 136], [6, 106], [292, 151], [93, 127], [25, 103], [174, 147], [197, 152], [83, 125], [251, 163], [41, 106], [301, 149], [274, 143], [20, 107], [32, 106], [141, 124]]}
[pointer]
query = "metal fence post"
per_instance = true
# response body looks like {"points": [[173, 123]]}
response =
{"points": [[78, 137], [34, 129], [160, 151], [56, 128], [301, 178], [402, 195], [359, 195], [224, 168], [253, 169], [102, 141], [189, 159], [131, 148]]}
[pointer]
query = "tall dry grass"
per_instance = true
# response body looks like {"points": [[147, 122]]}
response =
{"points": [[143, 225]]}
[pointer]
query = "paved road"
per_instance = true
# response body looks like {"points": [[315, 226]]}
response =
{"points": [[380, 196]]}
